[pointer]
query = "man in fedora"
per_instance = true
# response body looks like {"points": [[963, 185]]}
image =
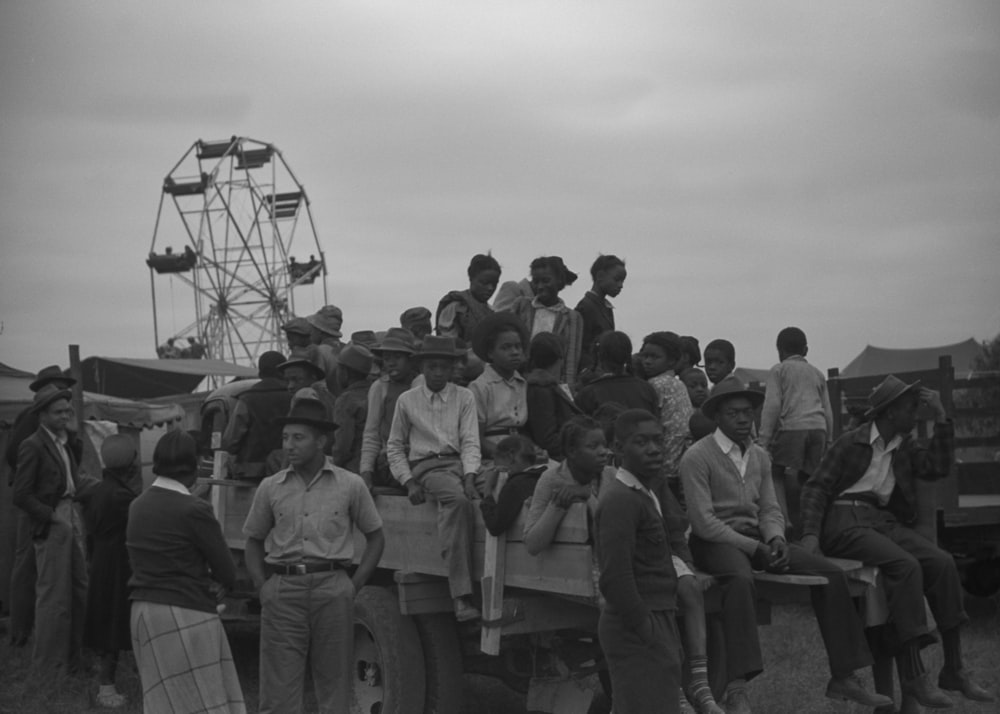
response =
{"points": [[306, 588], [23, 572], [433, 451], [737, 527], [395, 350], [46, 485], [862, 502], [252, 432]]}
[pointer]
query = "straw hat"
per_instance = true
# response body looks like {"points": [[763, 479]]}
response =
{"points": [[889, 390], [729, 388]]}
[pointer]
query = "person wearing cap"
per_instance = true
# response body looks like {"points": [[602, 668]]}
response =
{"points": [[181, 569], [460, 311], [396, 351], [862, 503], [433, 451], [351, 408], [546, 311], [326, 324], [500, 340], [298, 335], [23, 572], [105, 513], [306, 371], [251, 433], [737, 527], [309, 512], [47, 484], [418, 321]]}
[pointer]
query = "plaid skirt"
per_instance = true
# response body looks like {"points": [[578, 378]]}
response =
{"points": [[184, 660]]}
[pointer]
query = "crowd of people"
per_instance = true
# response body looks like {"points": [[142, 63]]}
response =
{"points": [[520, 404]]}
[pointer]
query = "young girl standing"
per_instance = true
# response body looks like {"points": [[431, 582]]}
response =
{"points": [[460, 311]]}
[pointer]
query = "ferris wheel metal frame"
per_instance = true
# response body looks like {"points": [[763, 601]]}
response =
{"points": [[241, 209]]}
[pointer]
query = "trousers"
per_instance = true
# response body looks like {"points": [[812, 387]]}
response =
{"points": [[839, 623], [456, 520], [645, 676], [23, 574], [61, 590], [911, 566], [306, 617]]}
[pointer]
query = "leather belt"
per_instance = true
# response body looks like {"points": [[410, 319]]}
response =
{"points": [[870, 502], [306, 568]]}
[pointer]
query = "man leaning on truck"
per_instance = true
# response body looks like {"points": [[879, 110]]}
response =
{"points": [[310, 511]]}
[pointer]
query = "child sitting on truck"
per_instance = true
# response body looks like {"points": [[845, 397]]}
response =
{"points": [[433, 451], [515, 455]]}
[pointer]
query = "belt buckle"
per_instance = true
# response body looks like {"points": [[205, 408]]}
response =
{"points": [[299, 568]]}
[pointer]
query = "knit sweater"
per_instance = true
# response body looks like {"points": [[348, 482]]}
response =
{"points": [[796, 398], [637, 573], [177, 549], [725, 507]]}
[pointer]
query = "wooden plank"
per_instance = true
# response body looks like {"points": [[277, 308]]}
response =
{"points": [[494, 552]]}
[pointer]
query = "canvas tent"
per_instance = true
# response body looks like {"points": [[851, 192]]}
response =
{"points": [[148, 378], [884, 360]]}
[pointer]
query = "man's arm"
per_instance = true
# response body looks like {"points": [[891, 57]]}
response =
{"points": [[617, 521], [933, 460], [253, 554], [343, 438], [468, 435], [371, 442], [396, 446], [374, 545], [819, 489], [770, 519], [29, 461], [237, 428]]}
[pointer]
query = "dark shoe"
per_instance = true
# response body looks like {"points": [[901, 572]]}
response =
{"points": [[850, 688], [737, 702], [923, 690], [961, 682]]}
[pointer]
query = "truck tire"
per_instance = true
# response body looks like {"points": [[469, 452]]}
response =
{"points": [[388, 659], [442, 663]]}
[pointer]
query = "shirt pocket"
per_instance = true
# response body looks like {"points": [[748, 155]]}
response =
{"points": [[332, 522]]}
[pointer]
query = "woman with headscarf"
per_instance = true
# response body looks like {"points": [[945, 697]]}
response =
{"points": [[181, 567]]}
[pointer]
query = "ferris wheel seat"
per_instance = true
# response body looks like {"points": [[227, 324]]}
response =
{"points": [[253, 158], [190, 187], [214, 149], [171, 262]]}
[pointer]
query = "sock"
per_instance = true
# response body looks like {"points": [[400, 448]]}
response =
{"points": [[737, 685], [909, 663], [700, 691], [951, 642]]}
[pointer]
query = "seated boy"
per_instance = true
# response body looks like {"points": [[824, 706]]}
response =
{"points": [[738, 528], [637, 629], [514, 455], [396, 352], [795, 422], [433, 450]]}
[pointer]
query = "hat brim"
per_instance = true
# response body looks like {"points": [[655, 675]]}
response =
{"points": [[392, 347], [711, 405], [439, 355], [49, 379], [298, 362], [879, 408], [44, 404], [326, 329], [322, 425]]}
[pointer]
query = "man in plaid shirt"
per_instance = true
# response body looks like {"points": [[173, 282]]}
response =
{"points": [[862, 503]]}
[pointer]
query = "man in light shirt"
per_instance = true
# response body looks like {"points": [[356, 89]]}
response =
{"points": [[862, 503], [433, 451], [737, 527]]}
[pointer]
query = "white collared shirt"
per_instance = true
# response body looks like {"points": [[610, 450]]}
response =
{"points": [[171, 485], [61, 441], [629, 479], [731, 449], [878, 477]]}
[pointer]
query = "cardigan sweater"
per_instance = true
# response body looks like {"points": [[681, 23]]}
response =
{"points": [[725, 507], [177, 549]]}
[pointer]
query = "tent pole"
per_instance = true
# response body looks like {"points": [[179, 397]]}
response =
{"points": [[76, 372]]}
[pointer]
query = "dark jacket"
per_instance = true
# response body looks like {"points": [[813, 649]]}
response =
{"points": [[631, 392], [264, 402], [549, 407], [25, 424], [847, 460], [598, 318], [40, 479]]}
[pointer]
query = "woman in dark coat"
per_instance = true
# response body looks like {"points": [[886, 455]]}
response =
{"points": [[106, 627]]}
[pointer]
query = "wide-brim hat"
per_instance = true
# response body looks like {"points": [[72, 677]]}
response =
{"points": [[397, 339], [434, 346], [298, 326], [175, 454], [50, 374], [48, 395], [309, 364], [495, 323], [889, 390], [729, 388], [365, 338], [414, 316], [311, 412], [118, 451], [357, 357], [328, 319]]}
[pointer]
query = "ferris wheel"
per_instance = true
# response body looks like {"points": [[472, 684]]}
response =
{"points": [[242, 213]]}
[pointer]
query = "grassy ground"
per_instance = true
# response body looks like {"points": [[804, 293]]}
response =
{"points": [[793, 682]]}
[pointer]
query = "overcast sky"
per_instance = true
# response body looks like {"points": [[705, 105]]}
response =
{"points": [[834, 165]]}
